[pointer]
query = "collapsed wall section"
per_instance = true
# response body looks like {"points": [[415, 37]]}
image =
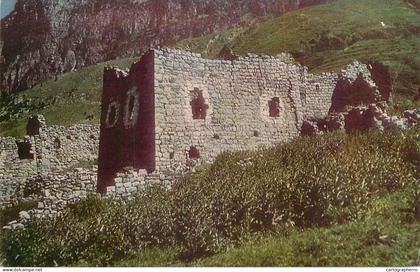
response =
{"points": [[50, 151]]}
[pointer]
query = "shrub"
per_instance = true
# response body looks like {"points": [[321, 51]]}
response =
{"points": [[309, 182], [94, 231]]}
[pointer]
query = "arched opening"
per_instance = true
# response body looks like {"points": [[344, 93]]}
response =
{"points": [[112, 115], [131, 109]]}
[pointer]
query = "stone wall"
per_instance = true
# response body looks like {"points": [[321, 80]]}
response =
{"points": [[238, 96], [176, 108], [59, 147], [14, 171], [57, 190], [53, 150]]}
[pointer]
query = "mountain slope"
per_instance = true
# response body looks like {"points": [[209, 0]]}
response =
{"points": [[72, 98], [42, 38], [75, 96], [327, 37]]}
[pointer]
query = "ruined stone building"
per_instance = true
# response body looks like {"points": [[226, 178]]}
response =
{"points": [[174, 107], [172, 111], [36, 165]]}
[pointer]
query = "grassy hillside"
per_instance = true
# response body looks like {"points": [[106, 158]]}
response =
{"points": [[334, 199], [327, 37], [385, 237], [73, 98]]}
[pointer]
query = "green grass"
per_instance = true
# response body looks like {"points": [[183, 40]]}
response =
{"points": [[387, 236], [328, 37], [210, 45], [301, 197], [324, 38], [73, 98]]}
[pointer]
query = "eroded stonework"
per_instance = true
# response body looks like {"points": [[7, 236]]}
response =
{"points": [[50, 151], [171, 112], [188, 108]]}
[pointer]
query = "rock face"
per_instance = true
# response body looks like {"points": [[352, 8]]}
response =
{"points": [[42, 38]]}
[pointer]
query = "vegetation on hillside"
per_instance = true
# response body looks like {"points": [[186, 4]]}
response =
{"points": [[328, 37], [72, 98], [388, 235], [311, 185], [324, 37]]}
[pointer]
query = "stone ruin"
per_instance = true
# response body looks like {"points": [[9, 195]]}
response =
{"points": [[175, 110], [45, 165], [358, 103]]}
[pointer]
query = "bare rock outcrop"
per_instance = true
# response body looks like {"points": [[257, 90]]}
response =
{"points": [[42, 38]]}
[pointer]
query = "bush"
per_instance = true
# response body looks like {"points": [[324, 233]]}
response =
{"points": [[309, 182]]}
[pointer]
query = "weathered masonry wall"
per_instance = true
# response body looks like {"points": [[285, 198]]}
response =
{"points": [[59, 147], [13, 170], [127, 121], [50, 151], [174, 109], [248, 103]]}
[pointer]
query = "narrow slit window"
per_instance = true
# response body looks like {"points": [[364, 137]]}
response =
{"points": [[57, 143], [112, 115], [131, 108]]}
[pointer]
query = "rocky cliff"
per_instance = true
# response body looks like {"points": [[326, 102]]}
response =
{"points": [[42, 38]]}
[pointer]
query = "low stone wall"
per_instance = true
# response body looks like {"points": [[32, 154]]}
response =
{"points": [[50, 151], [60, 190], [14, 171]]}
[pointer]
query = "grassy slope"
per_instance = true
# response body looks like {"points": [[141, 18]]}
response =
{"points": [[382, 239], [325, 38], [385, 237], [328, 37], [73, 98]]}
